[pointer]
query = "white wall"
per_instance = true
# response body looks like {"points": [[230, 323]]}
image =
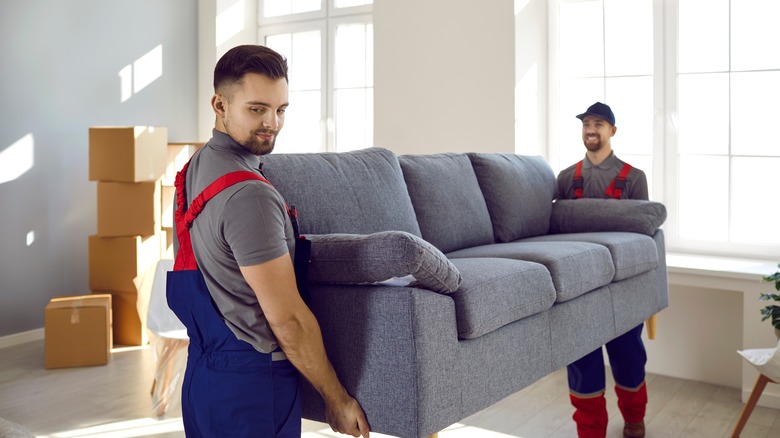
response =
{"points": [[60, 75], [444, 75], [531, 77]]}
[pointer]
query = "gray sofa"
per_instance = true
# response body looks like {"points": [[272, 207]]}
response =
{"points": [[444, 283]]}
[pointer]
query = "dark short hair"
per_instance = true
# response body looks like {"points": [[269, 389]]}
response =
{"points": [[240, 60]]}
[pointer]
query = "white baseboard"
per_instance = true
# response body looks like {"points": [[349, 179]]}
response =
{"points": [[21, 338], [766, 400]]}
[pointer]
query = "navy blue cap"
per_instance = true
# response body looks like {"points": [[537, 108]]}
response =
{"points": [[599, 109]]}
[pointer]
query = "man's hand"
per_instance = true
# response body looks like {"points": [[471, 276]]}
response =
{"points": [[346, 416]]}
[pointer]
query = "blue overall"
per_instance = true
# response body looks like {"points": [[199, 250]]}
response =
{"points": [[229, 389]]}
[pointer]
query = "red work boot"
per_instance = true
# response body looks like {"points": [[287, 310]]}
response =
{"points": [[632, 405], [590, 415]]}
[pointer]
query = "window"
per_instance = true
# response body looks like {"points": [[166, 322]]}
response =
{"points": [[329, 49], [694, 85]]}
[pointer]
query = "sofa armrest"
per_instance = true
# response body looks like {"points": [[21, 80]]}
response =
{"points": [[390, 257], [595, 214]]}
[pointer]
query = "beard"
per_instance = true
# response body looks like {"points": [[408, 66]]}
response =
{"points": [[592, 146], [257, 146]]}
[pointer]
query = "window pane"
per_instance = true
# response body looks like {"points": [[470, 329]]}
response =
{"points": [[576, 96], [755, 35], [703, 38], [578, 58], [754, 210], [628, 37], [631, 99], [703, 109], [350, 56], [348, 3], [302, 131], [282, 43], [703, 197], [277, 8], [352, 119], [305, 64], [754, 113]]}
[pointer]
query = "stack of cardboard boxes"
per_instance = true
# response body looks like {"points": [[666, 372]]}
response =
{"points": [[128, 164], [135, 170]]}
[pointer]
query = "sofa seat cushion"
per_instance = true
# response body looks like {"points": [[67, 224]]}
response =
{"points": [[495, 292], [449, 205], [575, 267], [389, 257], [632, 253], [358, 192]]}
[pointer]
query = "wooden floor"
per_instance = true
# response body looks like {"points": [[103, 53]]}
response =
{"points": [[114, 401]]}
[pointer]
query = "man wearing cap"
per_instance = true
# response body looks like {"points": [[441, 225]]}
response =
{"points": [[602, 175]]}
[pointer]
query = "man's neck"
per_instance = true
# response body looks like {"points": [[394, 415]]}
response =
{"points": [[596, 157]]}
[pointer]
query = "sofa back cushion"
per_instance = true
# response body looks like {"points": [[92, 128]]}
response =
{"points": [[360, 192], [518, 192], [449, 205]]}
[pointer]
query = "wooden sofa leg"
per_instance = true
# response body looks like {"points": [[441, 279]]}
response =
{"points": [[651, 323], [435, 435]]}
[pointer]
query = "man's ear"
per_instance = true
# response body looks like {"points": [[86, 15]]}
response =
{"points": [[218, 104], [614, 130]]}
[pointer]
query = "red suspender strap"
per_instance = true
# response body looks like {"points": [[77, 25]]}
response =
{"points": [[578, 181], [185, 259], [615, 189]]}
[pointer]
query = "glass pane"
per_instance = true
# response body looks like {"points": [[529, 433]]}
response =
{"points": [[348, 3], [578, 58], [282, 43], [703, 197], [754, 211], [276, 8], [628, 37], [754, 113], [351, 118], [299, 6], [755, 35], [576, 96], [703, 113], [302, 131], [703, 38], [631, 99], [305, 65], [350, 56]]}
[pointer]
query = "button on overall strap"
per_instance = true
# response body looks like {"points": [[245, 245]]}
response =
{"points": [[615, 189]]}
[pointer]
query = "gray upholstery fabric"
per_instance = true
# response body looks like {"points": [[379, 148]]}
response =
{"points": [[581, 326], [372, 258], [359, 192], [449, 205], [518, 191], [496, 292], [591, 214], [575, 267], [632, 253]]}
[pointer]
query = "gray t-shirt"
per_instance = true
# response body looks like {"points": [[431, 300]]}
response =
{"points": [[596, 179], [245, 224]]}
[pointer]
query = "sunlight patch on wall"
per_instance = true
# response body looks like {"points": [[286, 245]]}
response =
{"points": [[457, 430], [138, 75], [124, 429], [520, 5], [30, 237], [16, 159], [230, 22]]}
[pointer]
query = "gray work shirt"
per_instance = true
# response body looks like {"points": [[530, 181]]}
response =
{"points": [[244, 225], [596, 179]]}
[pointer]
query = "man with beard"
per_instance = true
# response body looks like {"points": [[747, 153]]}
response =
{"points": [[251, 334], [602, 175]]}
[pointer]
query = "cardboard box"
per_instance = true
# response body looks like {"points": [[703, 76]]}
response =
{"points": [[128, 209], [77, 331], [168, 206], [128, 327], [114, 262], [178, 155], [167, 243], [127, 153]]}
